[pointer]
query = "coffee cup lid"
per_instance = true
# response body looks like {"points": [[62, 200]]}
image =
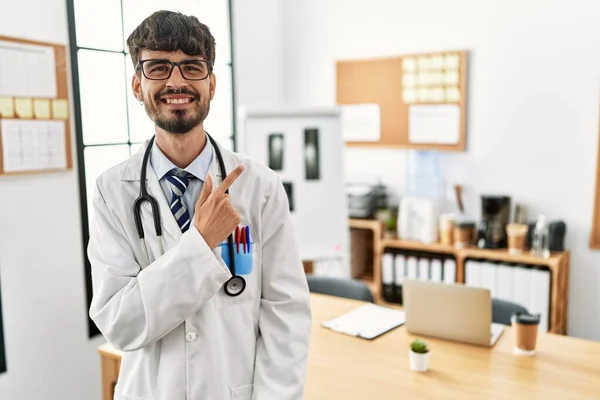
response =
{"points": [[526, 319]]}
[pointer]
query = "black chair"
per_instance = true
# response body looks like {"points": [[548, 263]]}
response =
{"points": [[502, 310], [339, 287]]}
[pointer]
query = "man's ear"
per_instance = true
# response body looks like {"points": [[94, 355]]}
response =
{"points": [[213, 85], [136, 85]]}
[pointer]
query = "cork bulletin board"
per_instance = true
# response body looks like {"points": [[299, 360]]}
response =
{"points": [[422, 98], [35, 126]]}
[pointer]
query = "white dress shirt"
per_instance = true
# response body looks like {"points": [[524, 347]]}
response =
{"points": [[199, 168]]}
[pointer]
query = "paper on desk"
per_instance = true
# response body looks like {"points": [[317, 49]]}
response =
{"points": [[367, 321], [7, 107], [361, 122], [32, 145], [434, 124], [27, 70]]}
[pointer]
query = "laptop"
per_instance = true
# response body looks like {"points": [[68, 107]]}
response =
{"points": [[450, 311]]}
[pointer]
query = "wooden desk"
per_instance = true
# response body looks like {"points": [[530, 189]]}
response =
{"points": [[342, 367]]}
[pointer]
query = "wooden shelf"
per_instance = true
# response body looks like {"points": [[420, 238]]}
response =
{"points": [[501, 255], [417, 246]]}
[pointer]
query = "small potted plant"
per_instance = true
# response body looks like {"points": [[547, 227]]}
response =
{"points": [[419, 356]]}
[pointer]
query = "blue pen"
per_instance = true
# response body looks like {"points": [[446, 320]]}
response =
{"points": [[248, 238]]}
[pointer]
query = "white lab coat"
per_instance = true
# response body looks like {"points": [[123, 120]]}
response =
{"points": [[183, 338]]}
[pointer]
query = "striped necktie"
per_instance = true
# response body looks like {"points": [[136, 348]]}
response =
{"points": [[178, 181]]}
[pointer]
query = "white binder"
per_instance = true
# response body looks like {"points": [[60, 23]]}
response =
{"points": [[449, 271], [399, 269], [387, 268], [424, 269], [436, 270]]}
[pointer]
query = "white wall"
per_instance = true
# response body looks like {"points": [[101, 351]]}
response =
{"points": [[49, 355], [533, 113], [258, 52]]}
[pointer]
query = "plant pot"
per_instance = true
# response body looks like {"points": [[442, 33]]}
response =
{"points": [[419, 361]]}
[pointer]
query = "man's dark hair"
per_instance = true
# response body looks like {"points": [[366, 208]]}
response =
{"points": [[172, 31]]}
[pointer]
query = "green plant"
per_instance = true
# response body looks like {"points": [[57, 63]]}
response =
{"points": [[419, 346]]}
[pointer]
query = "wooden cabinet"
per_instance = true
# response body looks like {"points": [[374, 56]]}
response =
{"points": [[557, 264]]}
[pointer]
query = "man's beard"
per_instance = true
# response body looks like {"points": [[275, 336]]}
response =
{"points": [[178, 121]]}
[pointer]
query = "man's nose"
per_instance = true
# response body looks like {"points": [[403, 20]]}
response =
{"points": [[176, 80]]}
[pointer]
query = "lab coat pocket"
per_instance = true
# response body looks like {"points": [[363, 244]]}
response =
{"points": [[248, 271], [242, 392]]}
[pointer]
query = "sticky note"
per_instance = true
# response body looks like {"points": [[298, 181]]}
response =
{"points": [[409, 96], [409, 80], [41, 108], [7, 107], [60, 109], [452, 94], [24, 108], [409, 64], [452, 61]]}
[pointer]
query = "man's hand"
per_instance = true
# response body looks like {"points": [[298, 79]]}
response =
{"points": [[214, 215]]}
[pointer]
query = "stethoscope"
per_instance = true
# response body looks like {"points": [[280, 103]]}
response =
{"points": [[236, 284]]}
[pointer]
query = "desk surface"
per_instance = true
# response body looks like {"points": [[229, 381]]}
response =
{"points": [[343, 367]]}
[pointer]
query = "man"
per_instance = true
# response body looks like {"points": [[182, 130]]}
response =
{"points": [[161, 299]]}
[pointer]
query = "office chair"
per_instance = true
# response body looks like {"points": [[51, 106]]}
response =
{"points": [[339, 287], [502, 310]]}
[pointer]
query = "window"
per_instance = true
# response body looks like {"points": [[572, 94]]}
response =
{"points": [[110, 124]]}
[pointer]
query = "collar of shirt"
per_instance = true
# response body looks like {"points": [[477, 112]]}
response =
{"points": [[199, 167]]}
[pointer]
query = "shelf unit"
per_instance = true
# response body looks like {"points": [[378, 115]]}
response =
{"points": [[365, 244], [557, 264]]}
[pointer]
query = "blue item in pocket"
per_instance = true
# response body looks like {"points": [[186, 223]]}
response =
{"points": [[243, 261]]}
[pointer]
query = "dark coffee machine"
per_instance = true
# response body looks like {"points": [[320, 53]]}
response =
{"points": [[495, 213]]}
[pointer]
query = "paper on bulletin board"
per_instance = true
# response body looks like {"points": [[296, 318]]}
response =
{"points": [[361, 122], [434, 124], [30, 145], [27, 70]]}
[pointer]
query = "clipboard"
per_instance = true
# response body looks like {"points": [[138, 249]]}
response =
{"points": [[367, 321]]}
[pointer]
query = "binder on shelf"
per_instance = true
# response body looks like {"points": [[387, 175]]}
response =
{"points": [[436, 270], [449, 270], [400, 273], [387, 276], [412, 267], [423, 264]]}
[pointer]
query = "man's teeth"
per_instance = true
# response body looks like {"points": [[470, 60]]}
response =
{"points": [[178, 101]]}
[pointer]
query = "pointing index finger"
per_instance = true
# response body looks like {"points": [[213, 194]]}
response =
{"points": [[231, 177]]}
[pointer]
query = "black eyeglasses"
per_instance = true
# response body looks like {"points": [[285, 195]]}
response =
{"points": [[193, 70]]}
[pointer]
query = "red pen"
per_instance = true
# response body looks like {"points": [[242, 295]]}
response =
{"points": [[237, 239], [243, 240]]}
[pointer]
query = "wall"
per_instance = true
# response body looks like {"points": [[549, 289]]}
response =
{"points": [[533, 115], [49, 355]]}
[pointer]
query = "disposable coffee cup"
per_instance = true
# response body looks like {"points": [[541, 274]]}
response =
{"points": [[525, 329], [517, 234]]}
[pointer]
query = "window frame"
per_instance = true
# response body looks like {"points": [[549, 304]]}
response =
{"points": [[80, 146]]}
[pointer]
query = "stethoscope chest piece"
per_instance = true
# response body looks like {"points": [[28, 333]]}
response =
{"points": [[235, 286]]}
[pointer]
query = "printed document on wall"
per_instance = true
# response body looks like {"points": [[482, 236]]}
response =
{"points": [[361, 122], [439, 124], [33, 145], [27, 70]]}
